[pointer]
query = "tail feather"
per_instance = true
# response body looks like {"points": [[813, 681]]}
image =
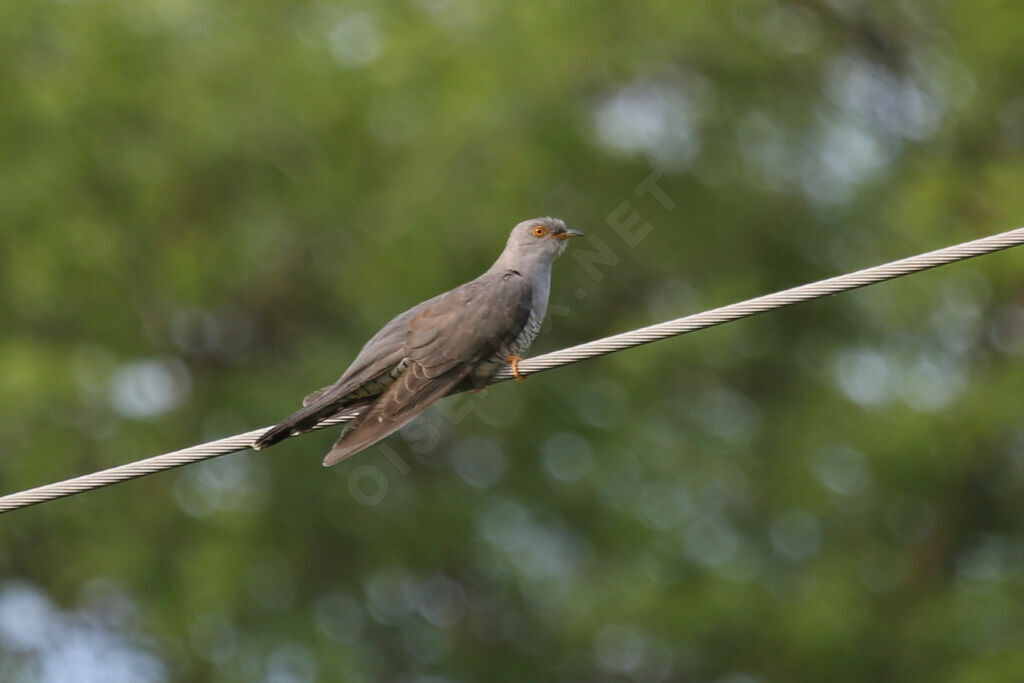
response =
{"points": [[411, 394], [301, 421]]}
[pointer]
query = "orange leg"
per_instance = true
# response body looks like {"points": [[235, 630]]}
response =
{"points": [[514, 362]]}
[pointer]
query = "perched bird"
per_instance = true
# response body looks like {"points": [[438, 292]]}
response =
{"points": [[457, 339]]}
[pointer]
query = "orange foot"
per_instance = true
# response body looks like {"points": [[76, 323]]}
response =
{"points": [[514, 362]]}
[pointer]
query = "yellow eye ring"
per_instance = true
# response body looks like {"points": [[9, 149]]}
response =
{"points": [[539, 231]]}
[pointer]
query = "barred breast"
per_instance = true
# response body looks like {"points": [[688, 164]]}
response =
{"points": [[517, 347], [526, 337]]}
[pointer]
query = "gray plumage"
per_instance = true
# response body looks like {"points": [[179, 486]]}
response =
{"points": [[461, 336]]}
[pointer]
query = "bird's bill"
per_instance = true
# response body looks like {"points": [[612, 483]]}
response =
{"points": [[569, 233]]}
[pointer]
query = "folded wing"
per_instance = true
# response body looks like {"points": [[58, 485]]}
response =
{"points": [[445, 342], [379, 356]]}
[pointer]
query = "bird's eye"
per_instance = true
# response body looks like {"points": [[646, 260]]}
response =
{"points": [[539, 231]]}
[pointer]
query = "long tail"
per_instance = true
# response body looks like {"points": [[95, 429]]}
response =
{"points": [[301, 421], [407, 397]]}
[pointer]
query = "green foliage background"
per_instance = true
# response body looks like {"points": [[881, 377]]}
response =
{"points": [[206, 208]]}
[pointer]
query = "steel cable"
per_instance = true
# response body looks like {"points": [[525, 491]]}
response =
{"points": [[549, 361]]}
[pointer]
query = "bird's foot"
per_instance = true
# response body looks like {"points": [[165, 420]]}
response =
{"points": [[514, 362]]}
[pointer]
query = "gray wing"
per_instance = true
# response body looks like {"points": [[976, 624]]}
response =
{"points": [[379, 355], [445, 342], [383, 351]]}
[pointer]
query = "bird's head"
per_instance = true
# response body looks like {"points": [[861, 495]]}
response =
{"points": [[539, 239]]}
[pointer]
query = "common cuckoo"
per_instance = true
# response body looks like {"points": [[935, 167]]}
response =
{"points": [[457, 339]]}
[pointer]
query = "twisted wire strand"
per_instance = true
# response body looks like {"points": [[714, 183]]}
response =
{"points": [[549, 361]]}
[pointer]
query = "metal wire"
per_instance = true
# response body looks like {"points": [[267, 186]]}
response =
{"points": [[549, 361]]}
